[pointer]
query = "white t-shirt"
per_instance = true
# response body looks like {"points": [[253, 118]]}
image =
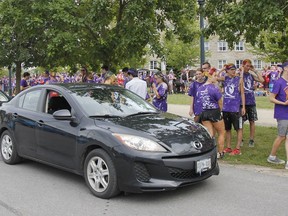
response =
{"points": [[137, 86]]}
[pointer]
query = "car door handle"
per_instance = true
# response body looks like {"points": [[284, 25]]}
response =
{"points": [[40, 123], [15, 115]]}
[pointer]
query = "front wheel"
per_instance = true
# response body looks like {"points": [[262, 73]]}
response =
{"points": [[8, 149], [100, 174]]}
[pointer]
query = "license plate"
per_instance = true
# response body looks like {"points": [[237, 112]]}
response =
{"points": [[203, 165]]}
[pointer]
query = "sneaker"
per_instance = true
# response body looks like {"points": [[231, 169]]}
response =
{"points": [[251, 143], [220, 155], [286, 166], [275, 161], [242, 142], [235, 152], [227, 150]]}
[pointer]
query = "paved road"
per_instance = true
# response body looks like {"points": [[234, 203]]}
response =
{"points": [[32, 189], [265, 116]]}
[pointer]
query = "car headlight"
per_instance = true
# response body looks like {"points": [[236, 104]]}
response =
{"points": [[139, 143], [206, 130]]}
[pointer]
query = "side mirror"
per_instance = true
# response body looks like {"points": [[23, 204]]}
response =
{"points": [[63, 114]]}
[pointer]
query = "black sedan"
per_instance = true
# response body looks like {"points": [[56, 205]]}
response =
{"points": [[112, 137]]}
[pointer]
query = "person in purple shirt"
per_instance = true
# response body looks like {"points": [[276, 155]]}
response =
{"points": [[52, 79], [279, 96], [160, 92], [211, 117], [274, 74], [23, 83], [249, 76], [232, 113], [196, 106]]}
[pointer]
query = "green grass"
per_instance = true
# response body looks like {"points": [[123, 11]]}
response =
{"points": [[262, 102], [263, 143]]}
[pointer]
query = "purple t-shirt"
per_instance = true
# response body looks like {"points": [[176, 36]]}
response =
{"points": [[280, 89], [273, 77], [161, 103], [197, 106], [249, 89], [23, 83], [209, 95], [232, 95]]}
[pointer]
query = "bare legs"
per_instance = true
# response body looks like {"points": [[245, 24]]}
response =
{"points": [[277, 143], [219, 127]]}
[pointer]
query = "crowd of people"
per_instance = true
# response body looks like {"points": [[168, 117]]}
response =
{"points": [[220, 99], [132, 79], [236, 86]]}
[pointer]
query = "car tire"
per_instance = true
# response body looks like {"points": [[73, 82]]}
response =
{"points": [[8, 148], [100, 174]]}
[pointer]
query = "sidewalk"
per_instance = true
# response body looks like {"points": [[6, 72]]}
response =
{"points": [[265, 116]]}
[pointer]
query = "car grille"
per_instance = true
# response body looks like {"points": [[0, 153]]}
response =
{"points": [[186, 174], [141, 172], [181, 174]]}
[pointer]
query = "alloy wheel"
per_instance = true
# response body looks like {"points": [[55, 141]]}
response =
{"points": [[7, 147], [98, 174]]}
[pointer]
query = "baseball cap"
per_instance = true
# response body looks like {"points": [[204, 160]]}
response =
{"points": [[230, 66]]}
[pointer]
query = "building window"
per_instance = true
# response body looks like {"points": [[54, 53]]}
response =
{"points": [[238, 63], [153, 65], [239, 46], [221, 63], [206, 46], [222, 46], [257, 64], [273, 63]]}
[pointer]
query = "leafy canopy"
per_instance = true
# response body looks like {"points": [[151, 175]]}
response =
{"points": [[262, 23]]}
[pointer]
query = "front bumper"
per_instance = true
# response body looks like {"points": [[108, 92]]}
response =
{"points": [[158, 172]]}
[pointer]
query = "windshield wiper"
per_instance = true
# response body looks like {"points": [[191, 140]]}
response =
{"points": [[142, 113], [104, 116]]}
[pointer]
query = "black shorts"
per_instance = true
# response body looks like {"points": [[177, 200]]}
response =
{"points": [[232, 118], [251, 113], [213, 115]]}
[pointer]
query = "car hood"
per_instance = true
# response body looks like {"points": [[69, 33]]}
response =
{"points": [[177, 133]]}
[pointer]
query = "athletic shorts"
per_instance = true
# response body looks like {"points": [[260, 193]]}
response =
{"points": [[251, 113], [212, 115], [282, 126], [232, 118]]}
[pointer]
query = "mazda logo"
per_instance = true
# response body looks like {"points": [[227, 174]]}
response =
{"points": [[197, 145]]}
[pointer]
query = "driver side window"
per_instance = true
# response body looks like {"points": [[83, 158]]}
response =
{"points": [[55, 101]]}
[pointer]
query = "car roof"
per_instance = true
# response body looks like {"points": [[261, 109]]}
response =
{"points": [[75, 86]]}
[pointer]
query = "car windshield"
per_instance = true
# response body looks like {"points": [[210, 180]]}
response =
{"points": [[111, 102]]}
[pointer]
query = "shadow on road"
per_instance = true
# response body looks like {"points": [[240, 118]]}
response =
{"points": [[38, 170]]}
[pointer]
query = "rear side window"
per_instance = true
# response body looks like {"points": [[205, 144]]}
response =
{"points": [[30, 100]]}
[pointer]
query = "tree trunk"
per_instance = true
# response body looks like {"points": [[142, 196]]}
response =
{"points": [[18, 76]]}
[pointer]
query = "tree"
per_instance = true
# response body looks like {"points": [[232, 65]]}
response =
{"points": [[178, 54], [53, 33], [20, 34], [123, 34], [233, 20]]}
